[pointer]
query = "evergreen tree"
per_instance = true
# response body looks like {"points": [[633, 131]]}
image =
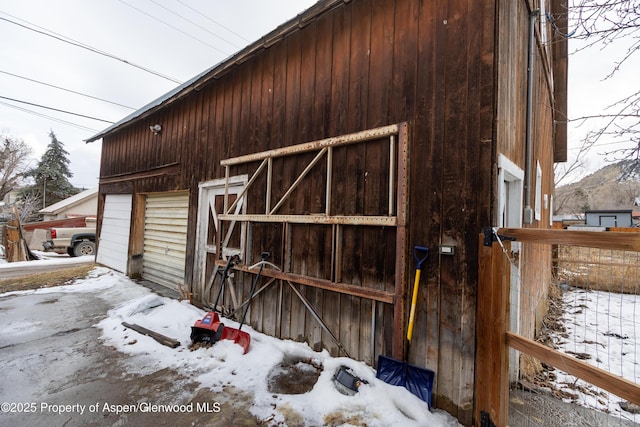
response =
{"points": [[52, 174]]}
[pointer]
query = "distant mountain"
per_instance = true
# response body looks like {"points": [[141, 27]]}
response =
{"points": [[629, 170], [616, 186]]}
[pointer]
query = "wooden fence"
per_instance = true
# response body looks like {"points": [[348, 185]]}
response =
{"points": [[494, 338], [14, 246]]}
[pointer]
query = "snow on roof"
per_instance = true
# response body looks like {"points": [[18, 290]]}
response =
{"points": [[70, 201]]}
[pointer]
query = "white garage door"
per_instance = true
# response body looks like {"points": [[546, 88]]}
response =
{"points": [[165, 238], [113, 248]]}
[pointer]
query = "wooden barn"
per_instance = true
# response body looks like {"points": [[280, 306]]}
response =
{"points": [[339, 142]]}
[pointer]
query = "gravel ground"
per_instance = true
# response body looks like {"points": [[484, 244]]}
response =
{"points": [[529, 409]]}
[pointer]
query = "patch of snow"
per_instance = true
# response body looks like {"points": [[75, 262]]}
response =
{"points": [[98, 278], [598, 324], [224, 364], [602, 328], [44, 258]]}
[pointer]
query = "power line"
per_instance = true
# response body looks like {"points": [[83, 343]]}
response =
{"points": [[72, 42], [55, 119], [56, 109], [603, 144], [195, 24], [214, 21], [66, 90], [174, 27]]}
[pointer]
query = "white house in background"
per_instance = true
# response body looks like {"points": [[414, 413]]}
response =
{"points": [[84, 203]]}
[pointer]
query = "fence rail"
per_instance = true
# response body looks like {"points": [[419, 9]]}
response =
{"points": [[494, 337]]}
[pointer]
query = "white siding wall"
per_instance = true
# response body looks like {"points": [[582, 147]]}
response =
{"points": [[113, 248]]}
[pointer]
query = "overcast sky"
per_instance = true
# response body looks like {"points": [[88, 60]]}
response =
{"points": [[593, 92], [174, 40]]}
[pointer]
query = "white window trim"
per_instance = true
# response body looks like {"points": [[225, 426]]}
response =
{"points": [[538, 205], [509, 171]]}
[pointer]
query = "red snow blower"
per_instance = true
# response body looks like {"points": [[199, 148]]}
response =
{"points": [[210, 330]]}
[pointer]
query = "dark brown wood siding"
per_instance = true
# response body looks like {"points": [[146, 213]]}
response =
{"points": [[356, 66]]}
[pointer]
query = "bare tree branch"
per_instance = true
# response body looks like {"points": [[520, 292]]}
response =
{"points": [[601, 24], [14, 163]]}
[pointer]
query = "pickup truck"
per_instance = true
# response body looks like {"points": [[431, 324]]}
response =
{"points": [[76, 241]]}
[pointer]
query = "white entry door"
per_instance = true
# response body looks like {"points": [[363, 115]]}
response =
{"points": [[217, 240]]}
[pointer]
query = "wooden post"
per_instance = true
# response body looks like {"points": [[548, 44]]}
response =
{"points": [[14, 248], [162, 339], [492, 358]]}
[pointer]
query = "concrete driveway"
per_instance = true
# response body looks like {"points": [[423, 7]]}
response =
{"points": [[56, 371]]}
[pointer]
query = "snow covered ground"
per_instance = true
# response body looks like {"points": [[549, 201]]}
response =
{"points": [[603, 329], [44, 258], [600, 326], [224, 364]]}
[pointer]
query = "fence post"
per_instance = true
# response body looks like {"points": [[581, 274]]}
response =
{"points": [[492, 353]]}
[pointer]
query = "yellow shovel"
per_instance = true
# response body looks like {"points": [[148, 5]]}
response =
{"points": [[412, 314], [418, 381]]}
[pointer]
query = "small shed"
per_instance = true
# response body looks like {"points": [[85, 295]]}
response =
{"points": [[339, 142], [609, 218]]}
